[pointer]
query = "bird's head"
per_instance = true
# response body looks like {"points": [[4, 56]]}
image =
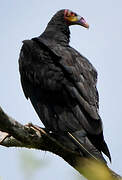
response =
{"points": [[68, 17], [58, 26], [74, 19]]}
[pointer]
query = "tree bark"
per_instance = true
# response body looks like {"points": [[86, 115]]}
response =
{"points": [[14, 134]]}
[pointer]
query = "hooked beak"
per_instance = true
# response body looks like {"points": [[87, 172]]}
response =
{"points": [[73, 19], [81, 21]]}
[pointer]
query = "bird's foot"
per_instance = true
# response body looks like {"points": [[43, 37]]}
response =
{"points": [[36, 128]]}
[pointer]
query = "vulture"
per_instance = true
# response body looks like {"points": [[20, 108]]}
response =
{"points": [[61, 85]]}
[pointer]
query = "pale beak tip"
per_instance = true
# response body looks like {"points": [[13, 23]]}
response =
{"points": [[86, 26]]}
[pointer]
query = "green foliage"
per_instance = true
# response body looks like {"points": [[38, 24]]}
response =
{"points": [[94, 170], [30, 163]]}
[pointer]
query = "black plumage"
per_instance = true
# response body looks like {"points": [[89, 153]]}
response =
{"points": [[61, 85]]}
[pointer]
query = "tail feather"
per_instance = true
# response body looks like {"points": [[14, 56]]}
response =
{"points": [[105, 150], [99, 142], [81, 146], [86, 147]]}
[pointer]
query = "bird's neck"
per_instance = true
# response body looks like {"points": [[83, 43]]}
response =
{"points": [[58, 33]]}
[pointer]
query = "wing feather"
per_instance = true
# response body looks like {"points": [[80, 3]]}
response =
{"points": [[61, 86]]}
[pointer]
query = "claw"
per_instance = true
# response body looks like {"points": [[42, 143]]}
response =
{"points": [[36, 128]]}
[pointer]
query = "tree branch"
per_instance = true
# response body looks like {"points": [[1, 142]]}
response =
{"points": [[14, 134]]}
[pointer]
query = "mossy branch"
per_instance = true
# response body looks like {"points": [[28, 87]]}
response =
{"points": [[14, 134]]}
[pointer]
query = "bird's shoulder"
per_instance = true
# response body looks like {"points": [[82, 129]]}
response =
{"points": [[38, 68], [77, 63]]}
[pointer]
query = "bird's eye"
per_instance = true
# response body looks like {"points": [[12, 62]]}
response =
{"points": [[75, 14], [70, 14]]}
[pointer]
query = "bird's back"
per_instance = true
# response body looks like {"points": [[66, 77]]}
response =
{"points": [[61, 85]]}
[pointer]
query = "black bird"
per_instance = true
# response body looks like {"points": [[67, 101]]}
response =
{"points": [[61, 85]]}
